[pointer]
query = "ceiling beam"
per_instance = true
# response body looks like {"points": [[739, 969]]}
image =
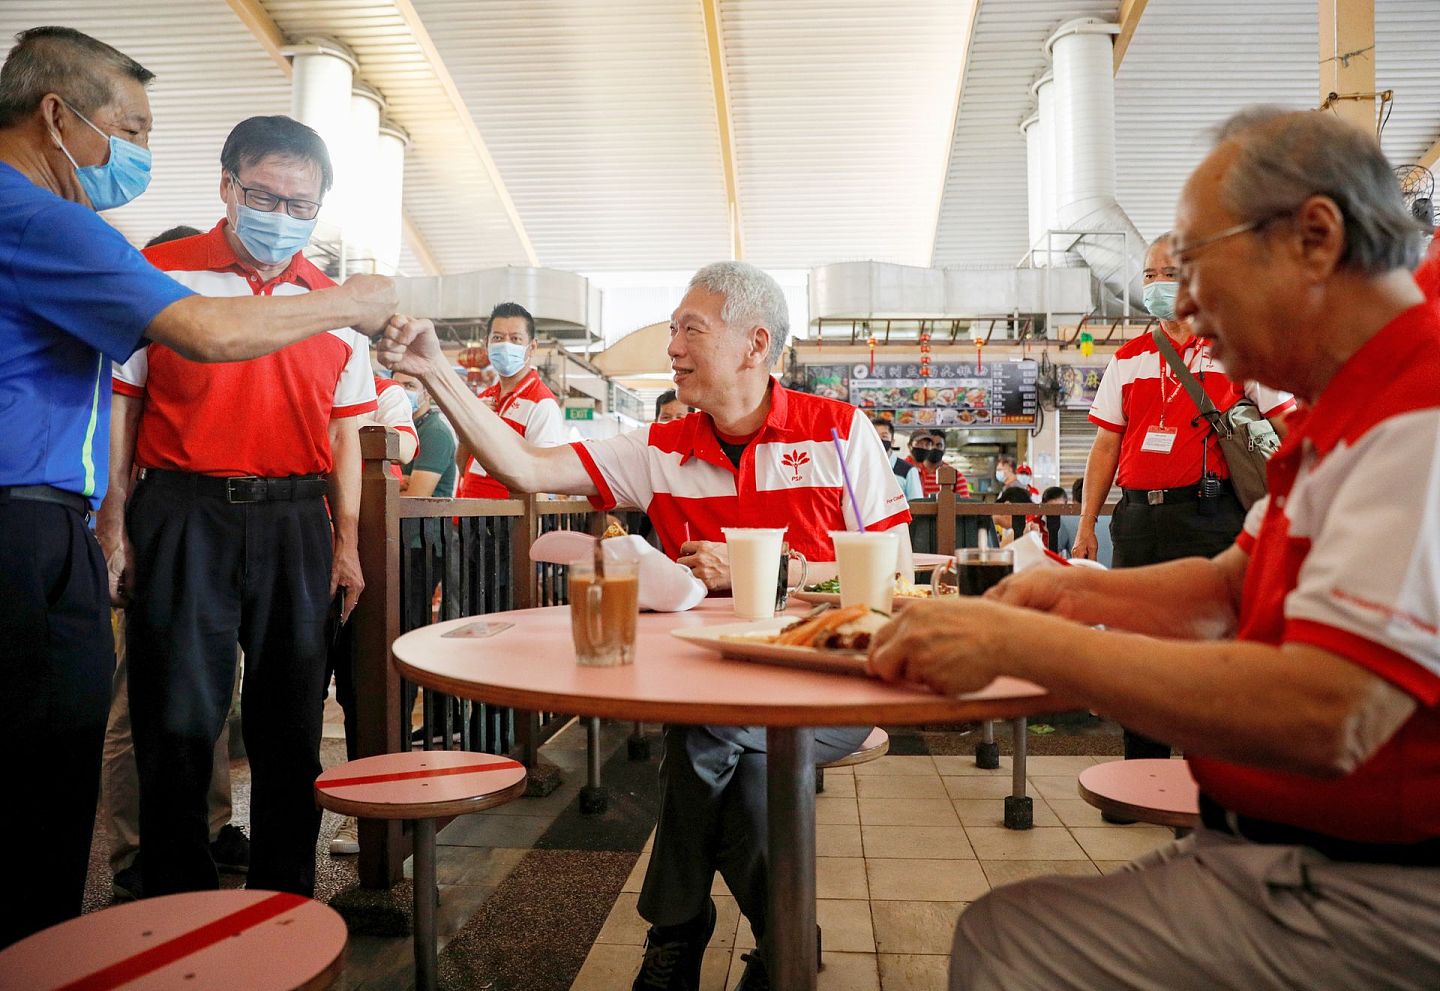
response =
{"points": [[715, 45], [419, 247], [1347, 60], [949, 146], [467, 123], [1130, 11]]}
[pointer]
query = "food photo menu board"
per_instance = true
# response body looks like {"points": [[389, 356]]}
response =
{"points": [[995, 394]]}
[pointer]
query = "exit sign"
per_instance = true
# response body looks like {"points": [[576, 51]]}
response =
{"points": [[579, 412]]}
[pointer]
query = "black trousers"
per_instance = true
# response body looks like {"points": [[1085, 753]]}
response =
{"points": [[209, 573], [57, 656], [1143, 534]]}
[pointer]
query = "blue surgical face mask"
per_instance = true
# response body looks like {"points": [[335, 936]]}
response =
{"points": [[508, 359], [271, 238], [414, 402], [999, 474], [1160, 299], [124, 176]]}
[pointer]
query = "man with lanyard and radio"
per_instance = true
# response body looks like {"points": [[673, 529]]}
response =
{"points": [[519, 398], [1177, 500]]}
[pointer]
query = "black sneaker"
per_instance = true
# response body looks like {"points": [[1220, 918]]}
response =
{"points": [[231, 850], [756, 977], [673, 954], [127, 886]]}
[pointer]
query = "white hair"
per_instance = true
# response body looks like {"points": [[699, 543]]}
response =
{"points": [[752, 299]]}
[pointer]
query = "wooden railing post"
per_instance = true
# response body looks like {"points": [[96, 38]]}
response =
{"points": [[522, 569], [376, 621], [945, 511]]}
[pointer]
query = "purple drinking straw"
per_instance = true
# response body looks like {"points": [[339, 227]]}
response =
{"points": [[849, 486]]}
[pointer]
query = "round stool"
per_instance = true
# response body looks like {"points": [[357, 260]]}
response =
{"points": [[422, 786], [237, 940], [1158, 791], [875, 746]]}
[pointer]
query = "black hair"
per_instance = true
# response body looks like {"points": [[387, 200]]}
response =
{"points": [[257, 138], [664, 399], [173, 234], [513, 310], [1052, 493], [63, 61], [1077, 489], [1013, 494]]}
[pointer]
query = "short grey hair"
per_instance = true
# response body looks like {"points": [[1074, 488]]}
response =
{"points": [[74, 66], [1167, 238], [752, 299], [1286, 156]]}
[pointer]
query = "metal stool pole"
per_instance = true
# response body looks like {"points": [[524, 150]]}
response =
{"points": [[987, 751], [593, 799], [426, 894], [1019, 807]]}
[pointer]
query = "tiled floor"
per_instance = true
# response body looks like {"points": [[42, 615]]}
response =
{"points": [[904, 844]]}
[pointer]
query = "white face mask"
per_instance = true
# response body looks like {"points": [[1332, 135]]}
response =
{"points": [[1023, 479], [999, 474]]}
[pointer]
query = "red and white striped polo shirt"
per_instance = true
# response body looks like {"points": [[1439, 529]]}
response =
{"points": [[789, 475], [532, 412], [268, 416], [392, 409], [1138, 385], [1345, 555]]}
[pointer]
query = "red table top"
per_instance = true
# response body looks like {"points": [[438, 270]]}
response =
{"points": [[532, 666], [216, 940]]}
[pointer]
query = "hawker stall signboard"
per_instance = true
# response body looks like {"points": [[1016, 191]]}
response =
{"points": [[1080, 383], [995, 394]]}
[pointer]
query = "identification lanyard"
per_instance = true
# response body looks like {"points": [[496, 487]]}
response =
{"points": [[1160, 439]]}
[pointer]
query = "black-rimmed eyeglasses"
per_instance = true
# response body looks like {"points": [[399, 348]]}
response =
{"points": [[267, 202]]}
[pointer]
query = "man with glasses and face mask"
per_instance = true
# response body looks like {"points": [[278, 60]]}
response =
{"points": [[74, 134], [241, 526]]}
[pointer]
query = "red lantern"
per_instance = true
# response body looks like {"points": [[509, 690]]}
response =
{"points": [[473, 357], [871, 342]]}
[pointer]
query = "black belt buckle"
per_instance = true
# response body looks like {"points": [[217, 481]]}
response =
{"points": [[246, 488]]}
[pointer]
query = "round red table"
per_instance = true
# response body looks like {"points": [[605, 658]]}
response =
{"points": [[532, 666], [242, 940]]}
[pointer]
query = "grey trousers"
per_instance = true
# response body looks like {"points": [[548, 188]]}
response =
{"points": [[1208, 912], [120, 777], [712, 817]]}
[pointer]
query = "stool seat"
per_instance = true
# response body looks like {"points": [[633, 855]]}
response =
{"points": [[420, 784], [239, 940], [876, 745], [1158, 791]]}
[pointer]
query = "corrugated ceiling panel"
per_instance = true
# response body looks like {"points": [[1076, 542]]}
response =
{"points": [[1189, 67], [1406, 61], [842, 110], [210, 75], [601, 119], [448, 194], [984, 210]]}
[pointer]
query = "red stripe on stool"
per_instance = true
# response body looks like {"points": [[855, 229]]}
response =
{"points": [[133, 968], [435, 772]]}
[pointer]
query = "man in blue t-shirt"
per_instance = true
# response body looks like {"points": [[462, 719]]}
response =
{"points": [[74, 296]]}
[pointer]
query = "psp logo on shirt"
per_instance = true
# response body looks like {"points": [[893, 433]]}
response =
{"points": [[794, 460]]}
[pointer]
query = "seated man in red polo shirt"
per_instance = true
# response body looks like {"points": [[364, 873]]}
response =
{"points": [[228, 532], [1300, 668], [756, 454]]}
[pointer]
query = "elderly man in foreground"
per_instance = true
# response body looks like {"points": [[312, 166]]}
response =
{"points": [[755, 455], [1311, 725]]}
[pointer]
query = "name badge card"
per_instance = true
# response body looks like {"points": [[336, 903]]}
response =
{"points": [[1158, 440]]}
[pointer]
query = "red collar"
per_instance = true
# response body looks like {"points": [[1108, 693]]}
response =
{"points": [[220, 257], [701, 441]]}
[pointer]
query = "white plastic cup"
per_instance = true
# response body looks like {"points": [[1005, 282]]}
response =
{"points": [[867, 563], [754, 558]]}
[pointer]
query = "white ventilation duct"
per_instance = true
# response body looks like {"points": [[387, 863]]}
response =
{"points": [[324, 75], [389, 178], [1084, 131], [1044, 92], [356, 181]]}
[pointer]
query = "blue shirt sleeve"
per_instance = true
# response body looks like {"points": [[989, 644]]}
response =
{"points": [[78, 273]]}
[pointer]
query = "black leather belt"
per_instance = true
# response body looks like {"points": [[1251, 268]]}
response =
{"points": [[1215, 816], [246, 488], [46, 493], [1160, 497]]}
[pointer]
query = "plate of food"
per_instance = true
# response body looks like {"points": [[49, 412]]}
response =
{"points": [[828, 639], [828, 593]]}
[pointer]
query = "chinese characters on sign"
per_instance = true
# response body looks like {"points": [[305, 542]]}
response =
{"points": [[1000, 394]]}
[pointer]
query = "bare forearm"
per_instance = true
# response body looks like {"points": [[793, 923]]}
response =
{"points": [[1292, 708], [1100, 470], [522, 467], [205, 328], [1189, 599], [344, 481], [124, 424]]}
